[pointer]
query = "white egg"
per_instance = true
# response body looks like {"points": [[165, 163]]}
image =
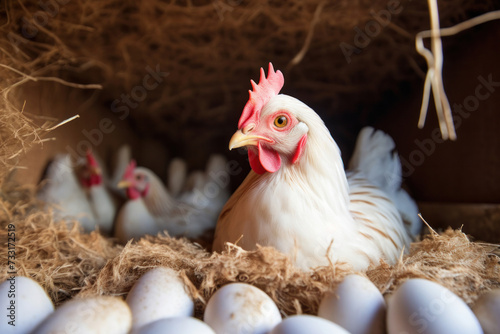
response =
{"points": [[425, 307], [175, 326], [24, 305], [356, 305], [97, 315], [240, 308], [159, 293], [487, 311], [305, 324]]}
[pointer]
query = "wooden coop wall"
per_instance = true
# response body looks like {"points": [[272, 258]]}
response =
{"points": [[96, 129], [456, 183]]}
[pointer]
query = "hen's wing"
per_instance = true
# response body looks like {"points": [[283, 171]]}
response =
{"points": [[208, 190], [378, 218], [376, 159], [192, 193], [223, 229]]}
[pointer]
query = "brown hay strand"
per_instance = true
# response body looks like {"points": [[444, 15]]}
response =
{"points": [[17, 131], [467, 268]]}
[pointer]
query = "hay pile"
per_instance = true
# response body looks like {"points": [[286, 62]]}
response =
{"points": [[211, 48]]}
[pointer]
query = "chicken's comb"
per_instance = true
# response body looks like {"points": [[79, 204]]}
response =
{"points": [[91, 161], [129, 171], [261, 94]]}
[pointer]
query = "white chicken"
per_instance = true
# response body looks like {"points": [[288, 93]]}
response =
{"points": [[176, 176], [101, 200], [208, 189], [120, 161], [298, 198], [151, 208], [83, 197]]}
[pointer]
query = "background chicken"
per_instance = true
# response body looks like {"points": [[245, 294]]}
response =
{"points": [[120, 161], [208, 189], [76, 190], [102, 202], [151, 208], [298, 198], [176, 176]]}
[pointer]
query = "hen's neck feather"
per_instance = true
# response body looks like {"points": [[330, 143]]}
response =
{"points": [[320, 168], [158, 201]]}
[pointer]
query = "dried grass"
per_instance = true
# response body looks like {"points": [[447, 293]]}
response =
{"points": [[17, 131], [467, 268], [211, 48]]}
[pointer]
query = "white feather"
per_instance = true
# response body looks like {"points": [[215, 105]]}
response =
{"points": [[103, 206], [375, 157], [134, 221], [176, 177], [62, 192]]}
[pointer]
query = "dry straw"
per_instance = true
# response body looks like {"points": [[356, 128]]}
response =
{"points": [[435, 60], [211, 48]]}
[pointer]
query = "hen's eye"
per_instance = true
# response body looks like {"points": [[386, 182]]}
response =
{"points": [[280, 121]]}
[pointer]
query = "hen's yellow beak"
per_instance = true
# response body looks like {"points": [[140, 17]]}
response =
{"points": [[123, 184], [95, 170], [239, 139]]}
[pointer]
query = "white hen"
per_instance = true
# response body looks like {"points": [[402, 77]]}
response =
{"points": [[76, 191], [208, 189], [63, 192], [298, 198], [151, 209], [101, 200]]}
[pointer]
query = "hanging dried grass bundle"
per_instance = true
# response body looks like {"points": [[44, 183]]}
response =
{"points": [[434, 59]]}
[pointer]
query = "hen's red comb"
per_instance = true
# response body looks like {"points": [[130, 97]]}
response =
{"points": [[91, 161], [261, 94], [129, 171]]}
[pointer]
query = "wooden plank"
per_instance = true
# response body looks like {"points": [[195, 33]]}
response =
{"points": [[481, 220]]}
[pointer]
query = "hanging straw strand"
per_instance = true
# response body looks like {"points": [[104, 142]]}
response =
{"points": [[434, 78]]}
